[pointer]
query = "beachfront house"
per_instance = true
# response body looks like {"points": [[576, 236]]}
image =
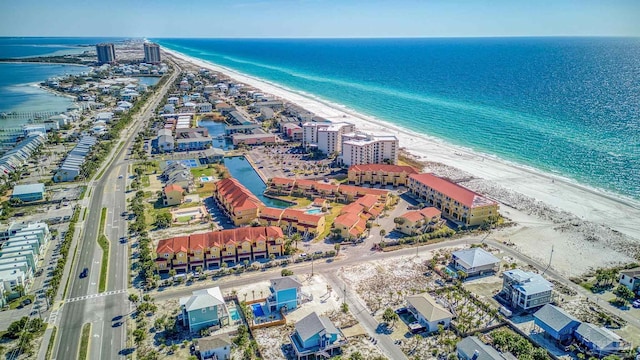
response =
{"points": [[475, 262], [428, 312], [203, 309], [315, 336], [217, 347], [285, 293], [631, 279], [556, 323], [525, 290], [600, 341], [472, 348]]}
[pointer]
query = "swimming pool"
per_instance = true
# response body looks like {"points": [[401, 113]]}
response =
{"points": [[192, 163], [313, 211], [233, 312], [206, 179], [257, 310]]}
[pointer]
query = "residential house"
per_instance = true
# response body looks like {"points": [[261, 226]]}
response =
{"points": [[29, 192], [172, 195], [472, 348], [216, 347], [165, 140], [204, 309], [600, 341], [237, 201], [456, 202], [417, 222], [631, 279], [315, 336], [182, 178], [285, 293], [428, 312], [525, 290], [380, 174], [475, 262], [211, 249], [556, 323]]}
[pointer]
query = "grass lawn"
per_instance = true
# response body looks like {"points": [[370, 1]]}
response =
{"points": [[206, 190], [201, 171], [104, 244], [17, 302], [144, 180], [184, 219], [301, 202], [335, 211], [84, 341]]}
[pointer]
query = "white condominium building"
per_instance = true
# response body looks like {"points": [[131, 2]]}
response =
{"points": [[330, 137], [360, 148]]}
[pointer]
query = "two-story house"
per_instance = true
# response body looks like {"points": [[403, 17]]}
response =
{"points": [[316, 336], [631, 279], [428, 312], [203, 309], [285, 293], [475, 262]]}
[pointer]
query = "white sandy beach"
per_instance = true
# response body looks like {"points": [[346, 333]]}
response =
{"points": [[559, 201]]}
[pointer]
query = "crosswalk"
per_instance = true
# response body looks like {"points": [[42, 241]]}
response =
{"points": [[93, 296]]}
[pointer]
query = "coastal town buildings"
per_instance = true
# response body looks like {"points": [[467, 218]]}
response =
{"points": [[631, 279], [237, 201], [28, 192], [172, 195], [152, 53], [475, 262], [329, 138], [417, 222], [456, 202], [71, 168], [291, 219], [211, 249], [106, 53], [428, 312], [360, 148], [315, 335], [380, 174]]}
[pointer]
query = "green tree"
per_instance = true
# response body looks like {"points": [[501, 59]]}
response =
{"points": [[163, 220], [344, 307], [286, 272], [389, 316], [623, 292], [337, 247]]}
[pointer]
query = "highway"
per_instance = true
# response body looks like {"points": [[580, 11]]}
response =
{"points": [[107, 341]]}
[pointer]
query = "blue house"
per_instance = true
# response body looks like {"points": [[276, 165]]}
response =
{"points": [[203, 309], [556, 322], [600, 341], [285, 293], [30, 192], [316, 336]]}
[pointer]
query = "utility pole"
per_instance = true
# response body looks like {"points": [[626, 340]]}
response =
{"points": [[550, 257]]}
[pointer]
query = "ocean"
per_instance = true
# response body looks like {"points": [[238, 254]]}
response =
{"points": [[569, 106]]}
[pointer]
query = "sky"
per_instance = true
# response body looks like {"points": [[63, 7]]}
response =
{"points": [[318, 18]]}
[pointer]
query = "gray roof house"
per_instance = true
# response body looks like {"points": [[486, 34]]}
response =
{"points": [[214, 347], [475, 261], [525, 290], [631, 279], [556, 322], [599, 340], [316, 335], [473, 348]]}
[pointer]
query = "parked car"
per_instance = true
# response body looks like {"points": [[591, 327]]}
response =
{"points": [[636, 304]]}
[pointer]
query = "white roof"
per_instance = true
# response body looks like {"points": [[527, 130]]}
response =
{"points": [[202, 299]]}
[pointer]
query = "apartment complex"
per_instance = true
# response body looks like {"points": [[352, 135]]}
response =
{"points": [[297, 220], [151, 53], [314, 189], [330, 137], [106, 53], [359, 148], [211, 249], [237, 201], [456, 202], [310, 132], [380, 174]]}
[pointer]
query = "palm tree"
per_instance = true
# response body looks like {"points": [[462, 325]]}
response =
{"points": [[19, 289], [295, 238]]}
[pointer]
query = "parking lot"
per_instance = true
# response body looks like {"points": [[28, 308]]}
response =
{"points": [[285, 160]]}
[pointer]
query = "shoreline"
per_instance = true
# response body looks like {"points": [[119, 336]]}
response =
{"points": [[584, 201]]}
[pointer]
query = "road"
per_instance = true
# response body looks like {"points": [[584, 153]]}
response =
{"points": [[107, 342]]}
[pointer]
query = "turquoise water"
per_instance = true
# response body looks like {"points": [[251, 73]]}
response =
{"points": [[233, 312], [257, 310], [19, 93], [148, 80], [314, 211], [242, 170], [569, 106]]}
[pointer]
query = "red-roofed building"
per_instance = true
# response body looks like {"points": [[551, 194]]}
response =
{"points": [[418, 221], [238, 202], [172, 195], [456, 202], [297, 219], [185, 253], [380, 174]]}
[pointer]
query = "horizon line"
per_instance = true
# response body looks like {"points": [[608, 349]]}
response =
{"points": [[323, 38]]}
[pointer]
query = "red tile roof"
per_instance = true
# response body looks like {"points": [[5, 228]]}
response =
{"points": [[173, 187], [459, 193], [384, 167], [430, 212], [367, 201], [347, 220], [282, 181], [412, 216], [271, 213], [217, 238], [319, 201], [238, 196]]}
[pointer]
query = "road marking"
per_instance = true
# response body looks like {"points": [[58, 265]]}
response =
{"points": [[93, 296], [53, 317]]}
